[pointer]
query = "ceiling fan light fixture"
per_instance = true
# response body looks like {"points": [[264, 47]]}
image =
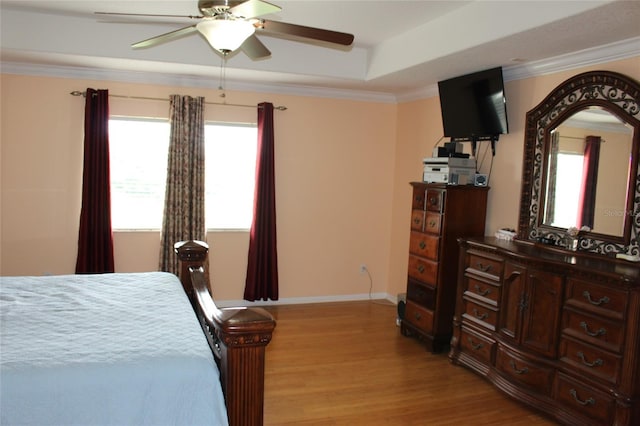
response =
{"points": [[225, 35]]}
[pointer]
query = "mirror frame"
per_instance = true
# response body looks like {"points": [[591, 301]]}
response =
{"points": [[613, 92]]}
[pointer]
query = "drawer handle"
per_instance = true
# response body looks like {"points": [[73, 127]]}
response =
{"points": [[433, 201], [602, 301], [482, 292], [422, 245], [479, 315], [419, 199], [432, 223], [421, 268], [574, 394], [517, 370], [483, 268], [418, 316], [597, 363], [475, 346], [600, 332], [523, 303], [417, 220]]}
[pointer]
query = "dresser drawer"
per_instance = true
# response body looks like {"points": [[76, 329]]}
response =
{"points": [[423, 270], [435, 200], [480, 315], [421, 294], [524, 371], [424, 245], [432, 223], [588, 402], [480, 347], [590, 360], [484, 266], [417, 220], [419, 197], [488, 292], [602, 300], [419, 317], [594, 330]]}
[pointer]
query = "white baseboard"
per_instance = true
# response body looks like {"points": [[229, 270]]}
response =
{"points": [[305, 300]]}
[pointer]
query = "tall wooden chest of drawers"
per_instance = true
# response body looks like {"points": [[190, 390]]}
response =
{"points": [[557, 330], [440, 214]]}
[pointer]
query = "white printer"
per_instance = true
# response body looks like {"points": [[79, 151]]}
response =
{"points": [[449, 170]]}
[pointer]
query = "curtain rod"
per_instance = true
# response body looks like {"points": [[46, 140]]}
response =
{"points": [[579, 138], [84, 94]]}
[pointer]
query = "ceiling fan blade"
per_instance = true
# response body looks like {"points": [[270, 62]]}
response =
{"points": [[253, 8], [254, 48], [304, 32], [164, 37], [152, 15]]}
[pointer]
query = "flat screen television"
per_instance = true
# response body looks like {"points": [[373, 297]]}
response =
{"points": [[474, 106]]}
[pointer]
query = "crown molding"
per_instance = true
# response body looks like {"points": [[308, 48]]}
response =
{"points": [[164, 79], [624, 49], [598, 55]]}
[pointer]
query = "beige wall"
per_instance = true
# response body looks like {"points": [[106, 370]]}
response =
{"points": [[334, 168], [342, 170]]}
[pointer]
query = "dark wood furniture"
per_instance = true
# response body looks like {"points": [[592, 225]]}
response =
{"points": [[237, 336], [601, 94], [557, 330], [440, 214]]}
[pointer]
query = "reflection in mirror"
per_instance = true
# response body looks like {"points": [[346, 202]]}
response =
{"points": [[587, 171]]}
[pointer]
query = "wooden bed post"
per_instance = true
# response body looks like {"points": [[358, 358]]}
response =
{"points": [[191, 254], [238, 338]]}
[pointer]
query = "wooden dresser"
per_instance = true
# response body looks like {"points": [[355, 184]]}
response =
{"points": [[557, 331], [440, 214]]}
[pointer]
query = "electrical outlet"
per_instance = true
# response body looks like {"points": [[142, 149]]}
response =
{"points": [[363, 268]]}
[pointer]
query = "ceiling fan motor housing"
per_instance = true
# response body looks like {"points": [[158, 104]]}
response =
{"points": [[214, 7]]}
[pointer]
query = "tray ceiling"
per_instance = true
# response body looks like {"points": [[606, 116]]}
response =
{"points": [[400, 46]]}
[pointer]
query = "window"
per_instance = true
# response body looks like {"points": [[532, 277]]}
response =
{"points": [[138, 154], [568, 184], [138, 162], [230, 173]]}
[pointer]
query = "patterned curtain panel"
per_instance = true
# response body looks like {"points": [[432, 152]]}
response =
{"points": [[184, 198], [95, 237]]}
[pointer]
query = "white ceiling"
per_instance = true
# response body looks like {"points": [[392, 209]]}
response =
{"points": [[401, 47]]}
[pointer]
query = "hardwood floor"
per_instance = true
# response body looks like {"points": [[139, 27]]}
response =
{"points": [[347, 364]]}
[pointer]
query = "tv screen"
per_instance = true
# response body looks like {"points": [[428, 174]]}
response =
{"points": [[474, 106]]}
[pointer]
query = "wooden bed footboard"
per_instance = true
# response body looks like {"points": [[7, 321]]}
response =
{"points": [[237, 336]]}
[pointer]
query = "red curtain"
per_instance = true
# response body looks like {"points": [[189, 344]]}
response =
{"points": [[95, 238], [262, 266], [587, 203]]}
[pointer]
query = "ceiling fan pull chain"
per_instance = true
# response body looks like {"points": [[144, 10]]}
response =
{"points": [[223, 74]]}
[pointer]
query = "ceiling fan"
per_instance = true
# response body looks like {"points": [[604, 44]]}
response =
{"points": [[228, 25]]}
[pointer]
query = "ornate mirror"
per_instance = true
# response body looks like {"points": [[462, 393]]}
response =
{"points": [[580, 165]]}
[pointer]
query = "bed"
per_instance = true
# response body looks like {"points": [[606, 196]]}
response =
{"points": [[118, 349]]}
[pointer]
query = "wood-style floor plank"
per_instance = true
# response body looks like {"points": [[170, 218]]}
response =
{"points": [[346, 363]]}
